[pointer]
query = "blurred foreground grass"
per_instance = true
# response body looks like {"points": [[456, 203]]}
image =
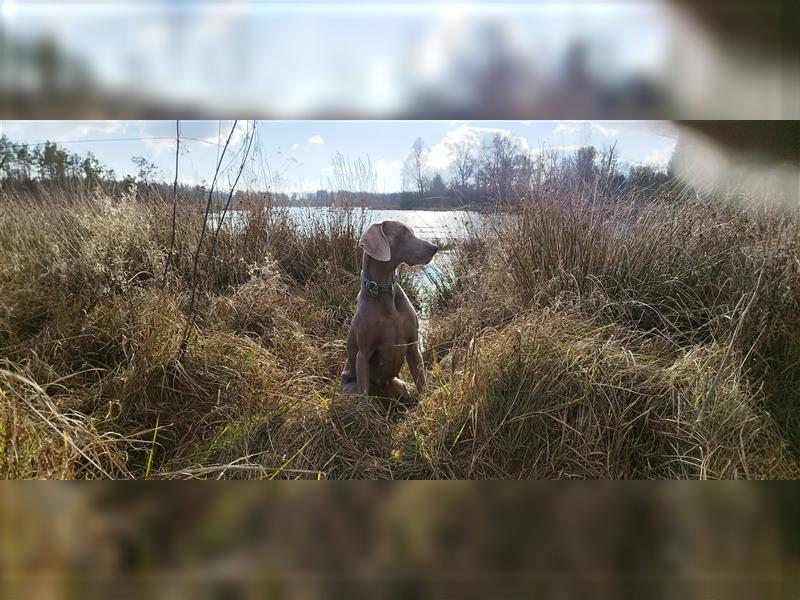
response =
{"points": [[416, 539]]}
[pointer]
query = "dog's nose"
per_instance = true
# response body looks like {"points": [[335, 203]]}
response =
{"points": [[434, 248]]}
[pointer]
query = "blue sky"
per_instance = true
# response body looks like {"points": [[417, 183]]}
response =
{"points": [[297, 154]]}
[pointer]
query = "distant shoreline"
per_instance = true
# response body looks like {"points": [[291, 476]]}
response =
{"points": [[409, 209]]}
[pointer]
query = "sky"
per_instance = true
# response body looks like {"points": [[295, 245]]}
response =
{"points": [[296, 156], [303, 59], [293, 57]]}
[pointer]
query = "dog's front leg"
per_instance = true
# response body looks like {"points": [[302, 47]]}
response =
{"points": [[414, 358], [362, 372]]}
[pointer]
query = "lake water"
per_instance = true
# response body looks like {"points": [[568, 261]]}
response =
{"points": [[440, 225], [428, 224]]}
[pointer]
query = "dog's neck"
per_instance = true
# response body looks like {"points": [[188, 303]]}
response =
{"points": [[379, 272]]}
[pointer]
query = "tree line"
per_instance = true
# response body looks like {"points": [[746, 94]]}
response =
{"points": [[496, 172], [50, 163], [500, 171], [47, 162]]}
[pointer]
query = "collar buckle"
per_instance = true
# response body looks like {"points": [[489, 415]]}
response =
{"points": [[375, 289]]}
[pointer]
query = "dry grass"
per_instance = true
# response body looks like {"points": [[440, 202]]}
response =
{"points": [[554, 395], [588, 335]]}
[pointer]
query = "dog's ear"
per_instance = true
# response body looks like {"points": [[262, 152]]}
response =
{"points": [[375, 244]]}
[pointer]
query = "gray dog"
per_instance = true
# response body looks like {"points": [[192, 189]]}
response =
{"points": [[383, 332]]}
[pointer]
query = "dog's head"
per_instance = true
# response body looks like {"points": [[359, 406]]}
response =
{"points": [[394, 241]]}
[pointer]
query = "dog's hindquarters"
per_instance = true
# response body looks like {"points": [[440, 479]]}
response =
{"points": [[349, 381]]}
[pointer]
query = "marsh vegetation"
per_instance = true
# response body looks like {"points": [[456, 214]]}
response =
{"points": [[589, 327]]}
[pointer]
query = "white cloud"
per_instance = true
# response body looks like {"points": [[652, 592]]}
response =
{"points": [[606, 131], [560, 149], [664, 129], [386, 168], [295, 147], [441, 155], [388, 174], [158, 147], [316, 139], [586, 126], [224, 130], [566, 128], [659, 158]]}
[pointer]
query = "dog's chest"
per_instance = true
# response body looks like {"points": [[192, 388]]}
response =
{"points": [[393, 333], [393, 338]]}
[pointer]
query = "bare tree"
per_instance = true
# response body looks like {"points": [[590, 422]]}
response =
{"points": [[584, 160], [415, 169], [500, 168], [464, 164], [505, 170]]}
